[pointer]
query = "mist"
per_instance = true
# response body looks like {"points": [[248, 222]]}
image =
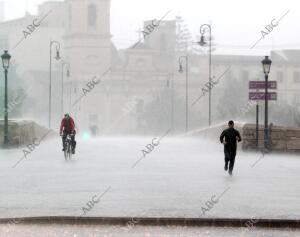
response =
{"points": [[130, 109]]}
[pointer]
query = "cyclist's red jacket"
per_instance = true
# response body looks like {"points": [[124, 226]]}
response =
{"points": [[67, 125]]}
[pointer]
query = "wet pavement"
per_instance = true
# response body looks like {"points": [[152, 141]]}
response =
{"points": [[138, 231], [178, 178]]}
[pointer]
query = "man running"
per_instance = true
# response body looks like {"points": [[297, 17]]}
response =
{"points": [[67, 127], [230, 145]]}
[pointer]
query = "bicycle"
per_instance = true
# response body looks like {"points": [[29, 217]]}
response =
{"points": [[68, 147]]}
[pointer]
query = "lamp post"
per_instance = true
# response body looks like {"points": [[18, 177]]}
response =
{"points": [[62, 83], [70, 101], [203, 43], [266, 69], [5, 62], [186, 88], [50, 74]]}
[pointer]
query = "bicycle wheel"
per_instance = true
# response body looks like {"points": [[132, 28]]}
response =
{"points": [[66, 150], [69, 150], [66, 154]]}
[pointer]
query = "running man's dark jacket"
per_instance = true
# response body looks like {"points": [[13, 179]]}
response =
{"points": [[231, 137]]}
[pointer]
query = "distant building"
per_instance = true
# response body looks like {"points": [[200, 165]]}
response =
{"points": [[1, 11], [136, 76]]}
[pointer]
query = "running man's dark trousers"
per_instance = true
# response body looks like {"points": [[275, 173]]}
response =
{"points": [[230, 158]]}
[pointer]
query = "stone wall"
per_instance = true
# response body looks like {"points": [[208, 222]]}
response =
{"points": [[23, 132], [282, 138]]}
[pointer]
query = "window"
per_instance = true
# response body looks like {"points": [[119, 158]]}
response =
{"points": [[245, 75], [228, 75], [140, 106], [3, 42], [163, 42], [297, 98], [279, 77], [296, 77], [140, 62], [93, 118], [70, 16], [92, 15]]}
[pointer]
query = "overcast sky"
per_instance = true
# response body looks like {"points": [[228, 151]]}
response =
{"points": [[235, 22]]}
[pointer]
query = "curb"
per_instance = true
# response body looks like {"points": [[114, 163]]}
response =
{"points": [[150, 221]]}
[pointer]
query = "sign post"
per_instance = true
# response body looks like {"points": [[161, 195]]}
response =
{"points": [[257, 123], [260, 85], [261, 96], [257, 95]]}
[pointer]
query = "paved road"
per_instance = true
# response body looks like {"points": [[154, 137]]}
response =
{"points": [[177, 178], [137, 231]]}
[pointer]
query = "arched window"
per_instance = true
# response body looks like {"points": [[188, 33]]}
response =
{"points": [[92, 15], [163, 42]]}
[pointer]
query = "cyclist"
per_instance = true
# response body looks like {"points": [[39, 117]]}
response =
{"points": [[67, 127]]}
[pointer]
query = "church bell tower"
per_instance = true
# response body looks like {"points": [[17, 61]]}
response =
{"points": [[87, 47], [87, 39]]}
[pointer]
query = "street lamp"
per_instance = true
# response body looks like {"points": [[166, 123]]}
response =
{"points": [[266, 69], [70, 92], [62, 83], [5, 62], [186, 87], [57, 57], [202, 42]]}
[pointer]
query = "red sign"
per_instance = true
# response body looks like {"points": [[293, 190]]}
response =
{"points": [[262, 85], [261, 96]]}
